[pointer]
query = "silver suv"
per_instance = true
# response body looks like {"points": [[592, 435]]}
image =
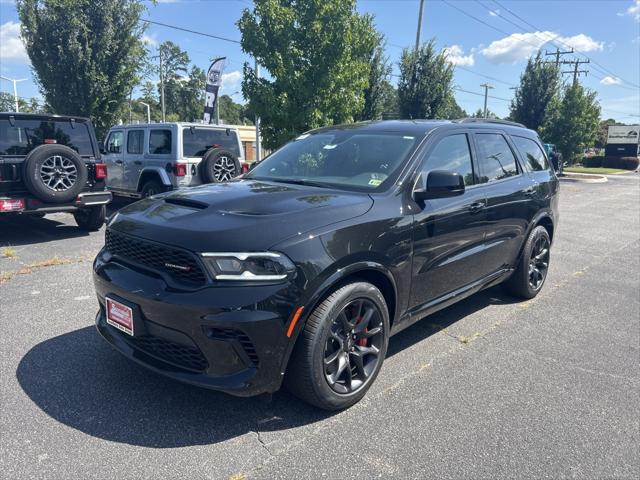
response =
{"points": [[145, 159]]}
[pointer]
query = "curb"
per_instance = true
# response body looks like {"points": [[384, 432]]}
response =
{"points": [[583, 177]]}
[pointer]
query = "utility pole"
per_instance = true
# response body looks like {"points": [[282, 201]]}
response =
{"points": [[486, 95], [419, 31], [15, 89], [258, 147], [576, 72], [161, 86], [148, 110], [557, 54]]}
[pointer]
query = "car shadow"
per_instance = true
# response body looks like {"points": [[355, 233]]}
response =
{"points": [[21, 230], [78, 380]]}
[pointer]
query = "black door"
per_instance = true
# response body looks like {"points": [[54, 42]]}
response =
{"points": [[448, 233], [509, 192]]}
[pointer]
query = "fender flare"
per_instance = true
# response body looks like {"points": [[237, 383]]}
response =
{"points": [[156, 171]]}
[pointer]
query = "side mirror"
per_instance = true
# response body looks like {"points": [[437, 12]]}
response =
{"points": [[438, 184], [103, 151]]}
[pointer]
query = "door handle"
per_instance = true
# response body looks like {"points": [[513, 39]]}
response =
{"points": [[476, 206], [529, 190], [137, 162], [119, 162]]}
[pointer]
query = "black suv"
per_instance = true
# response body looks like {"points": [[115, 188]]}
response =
{"points": [[51, 163], [301, 270]]}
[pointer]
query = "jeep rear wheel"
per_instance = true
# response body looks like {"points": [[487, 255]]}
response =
{"points": [[54, 173], [219, 165]]}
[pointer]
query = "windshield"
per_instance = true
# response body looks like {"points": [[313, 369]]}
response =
{"points": [[339, 158]]}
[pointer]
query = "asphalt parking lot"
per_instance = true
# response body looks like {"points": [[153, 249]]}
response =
{"points": [[489, 388]]}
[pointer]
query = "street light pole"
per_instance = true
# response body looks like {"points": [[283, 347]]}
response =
{"points": [[258, 147], [148, 110], [419, 31], [15, 89], [161, 86]]}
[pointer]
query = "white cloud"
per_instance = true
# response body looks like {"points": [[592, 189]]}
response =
{"points": [[455, 54], [610, 81], [11, 46], [634, 10], [581, 42], [149, 40], [519, 46], [231, 81]]}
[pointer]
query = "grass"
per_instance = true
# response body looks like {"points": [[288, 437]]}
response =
{"points": [[50, 262], [9, 252], [601, 170]]}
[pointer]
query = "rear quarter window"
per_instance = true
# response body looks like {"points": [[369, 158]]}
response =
{"points": [[534, 158], [26, 134], [196, 141], [160, 142]]}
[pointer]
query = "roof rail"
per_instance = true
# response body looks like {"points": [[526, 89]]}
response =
{"points": [[489, 120]]}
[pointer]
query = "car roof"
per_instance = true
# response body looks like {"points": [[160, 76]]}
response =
{"points": [[172, 124], [42, 116], [422, 127]]}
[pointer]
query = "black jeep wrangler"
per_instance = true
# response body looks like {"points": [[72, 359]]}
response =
{"points": [[51, 163]]}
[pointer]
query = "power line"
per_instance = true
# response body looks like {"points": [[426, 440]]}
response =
{"points": [[175, 27]]}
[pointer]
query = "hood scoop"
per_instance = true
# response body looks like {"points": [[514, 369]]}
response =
{"points": [[186, 202]]}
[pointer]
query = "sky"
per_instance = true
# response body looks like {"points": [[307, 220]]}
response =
{"points": [[487, 40]]}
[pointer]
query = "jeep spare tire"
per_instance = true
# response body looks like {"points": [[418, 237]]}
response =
{"points": [[54, 173], [219, 165]]}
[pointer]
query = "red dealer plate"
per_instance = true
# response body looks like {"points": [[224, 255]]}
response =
{"points": [[120, 316]]}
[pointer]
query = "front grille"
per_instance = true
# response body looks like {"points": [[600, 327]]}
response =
{"points": [[183, 356], [180, 265], [229, 334]]}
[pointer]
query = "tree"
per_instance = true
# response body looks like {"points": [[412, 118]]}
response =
{"points": [[85, 54], [425, 87], [603, 132], [453, 110], [573, 122], [480, 114], [26, 105], [379, 72], [230, 111], [389, 100], [316, 54], [539, 85]]}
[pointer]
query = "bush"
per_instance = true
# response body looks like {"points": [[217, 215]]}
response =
{"points": [[624, 163], [592, 162]]}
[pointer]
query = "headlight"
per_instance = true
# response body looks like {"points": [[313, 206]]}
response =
{"points": [[249, 266]]}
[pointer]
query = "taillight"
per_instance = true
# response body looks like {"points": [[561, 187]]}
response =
{"points": [[13, 205], [101, 171], [181, 169], [244, 168]]}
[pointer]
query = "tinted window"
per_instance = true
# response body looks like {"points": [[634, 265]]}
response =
{"points": [[452, 154], [25, 135], [342, 157], [196, 141], [160, 142], [135, 138], [495, 158], [531, 152], [114, 142]]}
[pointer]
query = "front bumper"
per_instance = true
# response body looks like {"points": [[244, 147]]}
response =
{"points": [[230, 338]]}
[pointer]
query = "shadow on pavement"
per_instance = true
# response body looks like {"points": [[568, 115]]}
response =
{"points": [[20, 230], [80, 381]]}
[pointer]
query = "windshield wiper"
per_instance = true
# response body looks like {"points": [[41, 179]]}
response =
{"points": [[294, 181]]}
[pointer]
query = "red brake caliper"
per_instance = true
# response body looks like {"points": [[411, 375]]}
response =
{"points": [[361, 342]]}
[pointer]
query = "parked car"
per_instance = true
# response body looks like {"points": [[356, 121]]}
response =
{"points": [[152, 158], [51, 163], [302, 269]]}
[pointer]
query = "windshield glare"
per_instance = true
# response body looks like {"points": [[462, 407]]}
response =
{"points": [[341, 158]]}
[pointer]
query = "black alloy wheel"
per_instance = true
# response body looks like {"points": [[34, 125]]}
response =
{"points": [[352, 350], [539, 262]]}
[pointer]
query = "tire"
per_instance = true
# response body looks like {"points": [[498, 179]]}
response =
{"points": [[219, 165], [318, 355], [90, 219], [525, 282], [54, 173], [151, 187]]}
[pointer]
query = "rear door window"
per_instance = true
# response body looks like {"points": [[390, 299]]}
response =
{"points": [[160, 142], [135, 139], [495, 158], [197, 140], [531, 152], [25, 135]]}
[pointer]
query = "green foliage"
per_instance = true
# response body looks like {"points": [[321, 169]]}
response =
{"points": [[316, 54], [453, 110], [425, 88], [233, 113], [389, 100], [572, 122], [31, 105], [480, 114], [539, 85], [374, 94], [603, 132], [624, 163], [86, 54]]}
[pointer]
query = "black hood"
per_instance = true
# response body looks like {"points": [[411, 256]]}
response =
{"points": [[239, 215]]}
